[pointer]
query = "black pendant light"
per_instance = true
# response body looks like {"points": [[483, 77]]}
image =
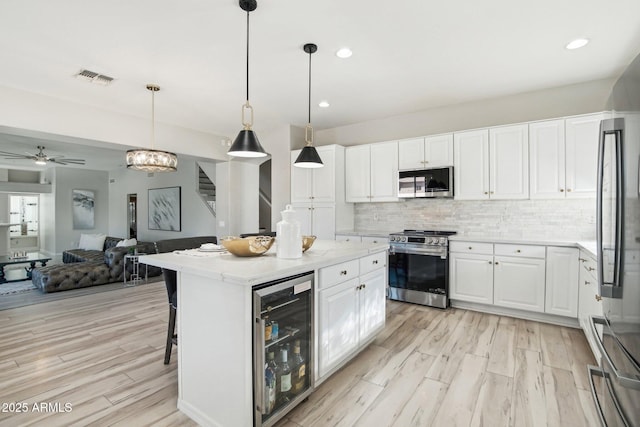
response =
{"points": [[246, 143], [308, 157]]}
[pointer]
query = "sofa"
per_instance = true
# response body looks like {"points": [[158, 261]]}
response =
{"points": [[82, 268]]}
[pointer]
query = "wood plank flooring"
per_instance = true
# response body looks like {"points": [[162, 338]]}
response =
{"points": [[102, 354]]}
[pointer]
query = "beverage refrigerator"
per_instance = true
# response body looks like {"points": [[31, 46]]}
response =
{"points": [[617, 332], [283, 343]]}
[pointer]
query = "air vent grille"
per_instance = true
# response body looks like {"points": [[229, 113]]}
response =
{"points": [[93, 77]]}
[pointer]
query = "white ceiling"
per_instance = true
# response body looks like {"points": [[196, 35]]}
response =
{"points": [[409, 55]]}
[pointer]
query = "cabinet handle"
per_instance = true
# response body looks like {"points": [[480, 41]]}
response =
{"points": [[598, 298], [486, 192], [586, 282], [364, 285], [590, 268], [343, 273], [470, 247], [375, 261], [518, 251], [490, 262], [490, 192], [562, 190], [582, 260], [568, 190], [496, 263]]}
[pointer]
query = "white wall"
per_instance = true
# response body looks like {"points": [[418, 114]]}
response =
{"points": [[544, 104], [195, 215]]}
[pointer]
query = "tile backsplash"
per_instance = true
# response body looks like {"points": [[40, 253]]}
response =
{"points": [[550, 219]]}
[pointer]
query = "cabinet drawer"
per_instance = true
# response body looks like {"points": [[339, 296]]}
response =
{"points": [[329, 276], [527, 251], [373, 262], [375, 239], [348, 238], [471, 247]]}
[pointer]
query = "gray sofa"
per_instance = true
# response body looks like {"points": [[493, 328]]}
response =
{"points": [[82, 268]]}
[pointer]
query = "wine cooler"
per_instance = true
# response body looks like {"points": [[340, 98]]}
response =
{"points": [[283, 346]]}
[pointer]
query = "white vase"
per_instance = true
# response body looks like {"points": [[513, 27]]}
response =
{"points": [[288, 235]]}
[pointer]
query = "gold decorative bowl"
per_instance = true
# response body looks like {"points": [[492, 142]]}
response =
{"points": [[247, 246], [307, 242]]}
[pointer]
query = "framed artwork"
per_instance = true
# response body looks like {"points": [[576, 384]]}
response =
{"points": [[83, 209], [164, 209]]}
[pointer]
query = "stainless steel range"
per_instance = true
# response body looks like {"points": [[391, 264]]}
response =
{"points": [[419, 267]]}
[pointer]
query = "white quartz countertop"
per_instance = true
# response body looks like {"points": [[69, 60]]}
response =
{"points": [[264, 268], [373, 233], [589, 246]]}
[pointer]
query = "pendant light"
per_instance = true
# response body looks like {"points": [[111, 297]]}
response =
{"points": [[246, 143], [150, 160], [308, 157]]}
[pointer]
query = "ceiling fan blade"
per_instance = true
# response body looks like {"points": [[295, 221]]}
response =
{"points": [[67, 161]]}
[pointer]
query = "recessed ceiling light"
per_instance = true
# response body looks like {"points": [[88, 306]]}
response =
{"points": [[577, 44], [344, 52], [323, 104]]}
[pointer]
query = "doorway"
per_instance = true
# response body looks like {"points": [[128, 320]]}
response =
{"points": [[132, 216]]}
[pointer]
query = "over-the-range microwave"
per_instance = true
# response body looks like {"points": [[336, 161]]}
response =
{"points": [[436, 182]]}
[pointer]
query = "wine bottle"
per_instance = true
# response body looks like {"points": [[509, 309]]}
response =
{"points": [[269, 389], [284, 378], [268, 328], [271, 362], [298, 369]]}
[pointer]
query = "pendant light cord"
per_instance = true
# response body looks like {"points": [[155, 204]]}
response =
{"points": [[247, 57], [309, 121], [153, 118]]}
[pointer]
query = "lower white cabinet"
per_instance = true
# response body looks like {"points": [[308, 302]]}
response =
{"points": [[350, 312], [519, 282], [561, 277], [589, 301], [471, 277]]}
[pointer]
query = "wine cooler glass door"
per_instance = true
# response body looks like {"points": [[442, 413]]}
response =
{"points": [[283, 346]]}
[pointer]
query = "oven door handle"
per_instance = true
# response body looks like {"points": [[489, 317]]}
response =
{"points": [[415, 251]]}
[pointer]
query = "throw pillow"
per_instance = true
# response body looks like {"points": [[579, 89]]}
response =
{"points": [[92, 242], [127, 242]]}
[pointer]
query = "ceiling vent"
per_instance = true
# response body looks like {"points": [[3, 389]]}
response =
{"points": [[93, 77]]}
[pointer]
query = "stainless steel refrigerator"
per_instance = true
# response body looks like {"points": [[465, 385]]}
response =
{"points": [[617, 332]]}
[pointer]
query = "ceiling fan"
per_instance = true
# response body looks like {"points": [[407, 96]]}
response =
{"points": [[42, 159]]}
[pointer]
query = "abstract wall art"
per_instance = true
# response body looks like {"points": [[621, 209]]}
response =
{"points": [[164, 209], [83, 209]]}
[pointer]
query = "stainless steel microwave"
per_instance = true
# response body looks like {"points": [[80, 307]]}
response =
{"points": [[437, 182]]}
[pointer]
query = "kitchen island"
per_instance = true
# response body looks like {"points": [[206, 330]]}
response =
{"points": [[215, 319]]}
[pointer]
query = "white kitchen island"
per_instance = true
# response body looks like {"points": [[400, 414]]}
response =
{"points": [[215, 319]]}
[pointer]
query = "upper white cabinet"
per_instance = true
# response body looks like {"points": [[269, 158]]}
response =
{"points": [[581, 149], [492, 163], [471, 164], [319, 184], [317, 220], [547, 160], [371, 172], [429, 152]]}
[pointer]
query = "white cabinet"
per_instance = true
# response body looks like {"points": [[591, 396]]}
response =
{"points": [[471, 277], [492, 163], [589, 300], [509, 162], [317, 220], [581, 148], [316, 185], [519, 282], [350, 310], [429, 152], [471, 165], [562, 281], [547, 160], [371, 172]]}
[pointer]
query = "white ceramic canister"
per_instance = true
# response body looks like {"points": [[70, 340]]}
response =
{"points": [[288, 235]]}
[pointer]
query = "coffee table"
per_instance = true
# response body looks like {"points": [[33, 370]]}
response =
{"points": [[32, 258]]}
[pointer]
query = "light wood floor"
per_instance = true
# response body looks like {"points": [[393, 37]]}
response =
{"points": [[102, 354]]}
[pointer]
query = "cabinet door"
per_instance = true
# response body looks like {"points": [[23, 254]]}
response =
{"points": [[323, 222], [438, 151], [301, 187], [357, 174], [471, 277], [324, 178], [411, 154], [304, 215], [581, 148], [546, 160], [509, 162], [561, 294], [372, 299], [471, 165], [338, 324], [519, 283], [384, 172]]}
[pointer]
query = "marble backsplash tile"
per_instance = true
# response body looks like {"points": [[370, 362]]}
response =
{"points": [[554, 219]]}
